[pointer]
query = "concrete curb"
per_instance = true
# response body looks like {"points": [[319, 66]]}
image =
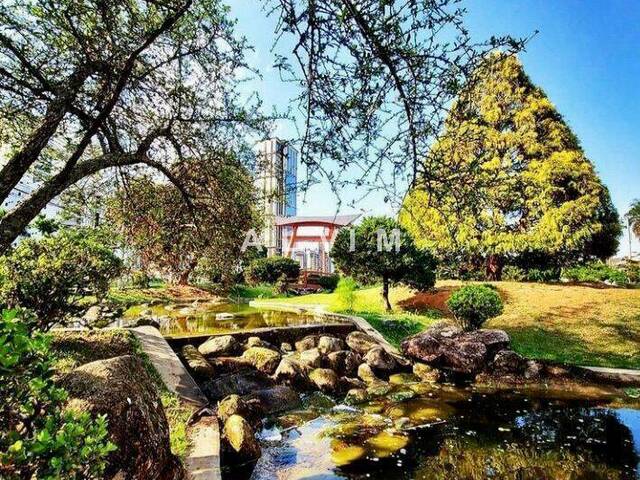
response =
{"points": [[203, 460]]}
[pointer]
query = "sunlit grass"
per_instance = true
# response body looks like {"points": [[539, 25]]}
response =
{"points": [[566, 323]]}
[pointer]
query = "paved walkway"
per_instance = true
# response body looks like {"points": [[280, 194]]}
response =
{"points": [[619, 376], [203, 460]]}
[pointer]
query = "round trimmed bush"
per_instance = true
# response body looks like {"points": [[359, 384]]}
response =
{"points": [[472, 305], [269, 270]]}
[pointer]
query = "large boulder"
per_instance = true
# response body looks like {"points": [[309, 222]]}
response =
{"points": [[508, 362], [426, 373], [121, 388], [356, 396], [224, 345], [325, 379], [258, 342], [328, 344], [275, 399], [465, 357], [378, 359], [196, 361], [344, 362], [291, 372], [235, 405], [423, 347], [366, 374], [493, 340], [241, 440], [360, 342], [311, 358], [310, 341], [263, 359], [241, 383]]}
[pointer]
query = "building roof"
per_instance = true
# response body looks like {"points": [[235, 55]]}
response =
{"points": [[337, 220]]}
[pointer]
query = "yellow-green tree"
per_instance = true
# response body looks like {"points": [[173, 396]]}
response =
{"points": [[507, 177]]}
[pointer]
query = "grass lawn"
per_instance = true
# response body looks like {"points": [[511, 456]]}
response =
{"points": [[579, 325]]}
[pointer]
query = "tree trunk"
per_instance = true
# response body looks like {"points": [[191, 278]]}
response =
{"points": [[183, 279], [494, 267], [385, 293]]}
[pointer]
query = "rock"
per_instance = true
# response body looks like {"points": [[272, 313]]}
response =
{"points": [[310, 341], [465, 357], [224, 316], [240, 437], [147, 312], [311, 358], [507, 362], [258, 342], [344, 362], [291, 372], [493, 340], [285, 347], [533, 370], [235, 405], [121, 388], [330, 344], [366, 374], [241, 383], [325, 379], [147, 322], [378, 359], [360, 342], [356, 396], [402, 395], [403, 378], [225, 345], [92, 314], [196, 361], [426, 373], [349, 383], [229, 364], [402, 423], [423, 347], [443, 331], [263, 359], [379, 388], [275, 399]]}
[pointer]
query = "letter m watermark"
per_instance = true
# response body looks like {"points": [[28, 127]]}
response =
{"points": [[388, 243]]}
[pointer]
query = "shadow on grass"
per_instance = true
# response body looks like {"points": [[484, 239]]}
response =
{"points": [[432, 300], [535, 342]]}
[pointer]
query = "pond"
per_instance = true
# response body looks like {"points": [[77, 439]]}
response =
{"points": [[179, 320], [448, 432]]}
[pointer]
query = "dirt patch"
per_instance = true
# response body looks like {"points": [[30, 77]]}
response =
{"points": [[435, 300]]}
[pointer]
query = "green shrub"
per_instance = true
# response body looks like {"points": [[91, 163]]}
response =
{"points": [[140, 279], [632, 271], [513, 273], [280, 287], [51, 275], [346, 293], [519, 274], [38, 438], [269, 270], [329, 282], [595, 272], [472, 305]]}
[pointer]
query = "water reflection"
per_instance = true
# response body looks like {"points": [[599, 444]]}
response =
{"points": [[189, 319], [464, 436]]}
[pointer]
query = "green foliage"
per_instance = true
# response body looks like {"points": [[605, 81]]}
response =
{"points": [[346, 293], [38, 438], [472, 305], [140, 279], [595, 272], [374, 260], [51, 275], [269, 270], [45, 225], [632, 271], [508, 176], [280, 287], [518, 274], [633, 215], [328, 282]]}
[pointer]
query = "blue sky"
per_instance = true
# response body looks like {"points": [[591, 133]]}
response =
{"points": [[586, 57]]}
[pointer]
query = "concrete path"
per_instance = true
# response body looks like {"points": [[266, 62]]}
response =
{"points": [[617, 376], [203, 460]]}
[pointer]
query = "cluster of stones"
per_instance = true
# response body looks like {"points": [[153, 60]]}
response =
{"points": [[483, 353], [256, 378]]}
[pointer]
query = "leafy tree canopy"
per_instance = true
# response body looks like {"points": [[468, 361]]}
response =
{"points": [[94, 86], [634, 217], [372, 255], [173, 237], [509, 177]]}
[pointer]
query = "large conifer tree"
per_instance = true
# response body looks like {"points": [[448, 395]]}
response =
{"points": [[508, 177]]}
